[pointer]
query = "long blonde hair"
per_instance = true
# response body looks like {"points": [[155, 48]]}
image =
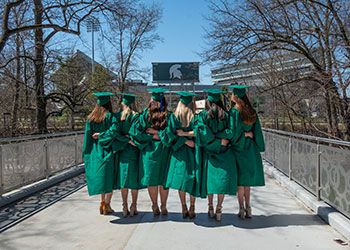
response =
{"points": [[185, 113], [126, 111], [99, 113]]}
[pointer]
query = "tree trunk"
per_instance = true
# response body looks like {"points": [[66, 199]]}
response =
{"points": [[39, 69], [17, 87], [329, 114]]}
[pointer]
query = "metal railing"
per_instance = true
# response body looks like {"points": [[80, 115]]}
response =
{"points": [[320, 165], [28, 159]]}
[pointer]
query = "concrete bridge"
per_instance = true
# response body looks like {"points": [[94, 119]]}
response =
{"points": [[57, 213]]}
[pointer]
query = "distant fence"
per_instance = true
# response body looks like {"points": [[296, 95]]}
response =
{"points": [[28, 159], [320, 165]]}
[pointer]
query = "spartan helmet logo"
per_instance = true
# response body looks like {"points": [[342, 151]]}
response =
{"points": [[175, 72]]}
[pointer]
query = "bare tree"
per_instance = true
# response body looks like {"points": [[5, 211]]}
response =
{"points": [[315, 30], [132, 35]]}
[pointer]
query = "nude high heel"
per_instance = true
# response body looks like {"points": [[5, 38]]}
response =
{"points": [[125, 210], [248, 212], [164, 210], [211, 213], [184, 211], [241, 213], [133, 209], [155, 210], [218, 213], [191, 212]]}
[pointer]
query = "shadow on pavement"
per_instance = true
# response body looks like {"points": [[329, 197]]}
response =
{"points": [[202, 219]]}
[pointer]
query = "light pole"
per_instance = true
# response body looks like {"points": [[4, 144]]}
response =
{"points": [[93, 24]]}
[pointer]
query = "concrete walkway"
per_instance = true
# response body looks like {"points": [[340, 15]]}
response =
{"points": [[280, 222]]}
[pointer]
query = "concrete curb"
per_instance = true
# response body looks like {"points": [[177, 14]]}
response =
{"points": [[327, 213], [28, 190]]}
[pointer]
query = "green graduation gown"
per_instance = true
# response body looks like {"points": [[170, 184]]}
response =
{"points": [[126, 155], [99, 158], [247, 151], [154, 156], [219, 173], [183, 164]]}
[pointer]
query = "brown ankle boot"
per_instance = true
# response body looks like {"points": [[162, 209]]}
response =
{"points": [[102, 207]]}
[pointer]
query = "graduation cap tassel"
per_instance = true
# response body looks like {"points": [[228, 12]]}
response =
{"points": [[161, 104]]}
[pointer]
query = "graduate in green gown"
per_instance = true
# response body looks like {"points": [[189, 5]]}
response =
{"points": [[126, 152], [183, 166], [248, 144], [99, 159], [148, 133], [219, 174]]}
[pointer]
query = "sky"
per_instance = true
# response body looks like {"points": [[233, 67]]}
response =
{"points": [[181, 29]]}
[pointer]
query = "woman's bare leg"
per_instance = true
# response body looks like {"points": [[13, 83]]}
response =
{"points": [[210, 206], [163, 199]]}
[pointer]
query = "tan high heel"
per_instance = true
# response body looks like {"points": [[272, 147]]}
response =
{"points": [[133, 209], [184, 211], [248, 212], [155, 210], [164, 210], [211, 213], [241, 213], [218, 213], [125, 210], [102, 207], [191, 212]]}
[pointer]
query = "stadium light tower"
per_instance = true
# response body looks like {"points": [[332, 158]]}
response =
{"points": [[93, 25]]}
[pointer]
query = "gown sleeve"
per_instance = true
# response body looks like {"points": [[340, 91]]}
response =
{"points": [[138, 131], [88, 141], [112, 137], [205, 137], [168, 136], [227, 133], [258, 136]]}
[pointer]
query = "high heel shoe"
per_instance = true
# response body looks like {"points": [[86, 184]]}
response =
{"points": [[125, 210], [241, 213], [107, 209], [211, 211], [164, 210], [218, 213], [133, 210], [155, 210], [102, 207], [184, 211], [191, 212], [248, 212]]}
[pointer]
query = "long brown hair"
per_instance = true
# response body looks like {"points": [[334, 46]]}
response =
{"points": [[215, 110], [157, 117], [99, 113], [185, 113], [245, 108]]}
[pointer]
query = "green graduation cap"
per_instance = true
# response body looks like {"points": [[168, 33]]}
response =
{"points": [[103, 97], [214, 95], [186, 97], [239, 90], [127, 98], [157, 93]]}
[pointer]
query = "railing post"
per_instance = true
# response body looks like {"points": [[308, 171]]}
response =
{"points": [[290, 159], [1, 173], [318, 171], [47, 160], [274, 152], [76, 149]]}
